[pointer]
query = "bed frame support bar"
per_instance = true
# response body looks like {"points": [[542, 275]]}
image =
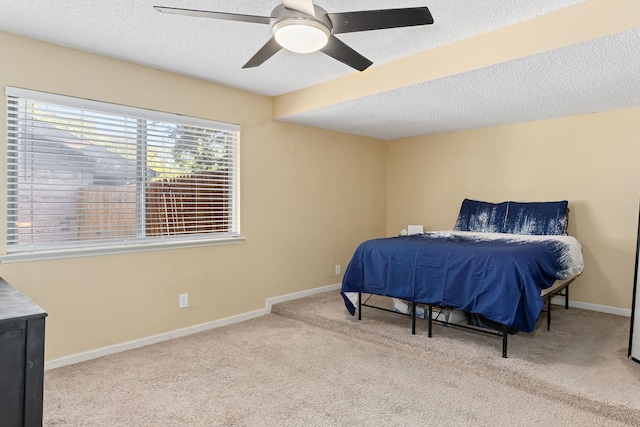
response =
{"points": [[504, 331], [365, 304]]}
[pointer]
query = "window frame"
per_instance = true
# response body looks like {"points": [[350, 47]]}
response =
{"points": [[143, 244]]}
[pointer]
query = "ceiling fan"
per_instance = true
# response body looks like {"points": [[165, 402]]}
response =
{"points": [[301, 26]]}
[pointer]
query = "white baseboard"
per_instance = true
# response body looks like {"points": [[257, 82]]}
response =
{"points": [[165, 336], [301, 294], [269, 302], [559, 300]]}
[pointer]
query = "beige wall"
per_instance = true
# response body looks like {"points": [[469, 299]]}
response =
{"points": [[591, 160], [309, 196]]}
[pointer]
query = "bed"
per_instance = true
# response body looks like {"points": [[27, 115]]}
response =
{"points": [[496, 265]]}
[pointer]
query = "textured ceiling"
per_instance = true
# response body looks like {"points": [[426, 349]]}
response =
{"points": [[595, 72], [601, 75]]}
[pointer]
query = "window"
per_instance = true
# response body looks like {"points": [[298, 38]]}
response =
{"points": [[84, 174]]}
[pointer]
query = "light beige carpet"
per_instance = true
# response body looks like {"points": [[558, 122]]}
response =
{"points": [[311, 363]]}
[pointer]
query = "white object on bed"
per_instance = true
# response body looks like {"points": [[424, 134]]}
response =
{"points": [[416, 229]]}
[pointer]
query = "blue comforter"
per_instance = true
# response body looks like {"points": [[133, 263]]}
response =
{"points": [[500, 279]]}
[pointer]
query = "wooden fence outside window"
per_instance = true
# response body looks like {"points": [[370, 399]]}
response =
{"points": [[190, 204]]}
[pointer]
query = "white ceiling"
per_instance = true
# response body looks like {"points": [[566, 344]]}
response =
{"points": [[595, 75]]}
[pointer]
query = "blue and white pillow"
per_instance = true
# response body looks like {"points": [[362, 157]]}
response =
{"points": [[534, 218], [482, 217]]}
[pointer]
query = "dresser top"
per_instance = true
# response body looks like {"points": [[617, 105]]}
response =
{"points": [[15, 306]]}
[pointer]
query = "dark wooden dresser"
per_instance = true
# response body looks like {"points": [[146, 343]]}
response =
{"points": [[21, 358]]}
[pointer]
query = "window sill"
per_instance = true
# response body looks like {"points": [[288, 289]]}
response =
{"points": [[115, 250]]}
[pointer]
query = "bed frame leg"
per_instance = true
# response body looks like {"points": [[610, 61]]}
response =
{"points": [[548, 312], [430, 321], [505, 334], [359, 305], [566, 305], [413, 317]]}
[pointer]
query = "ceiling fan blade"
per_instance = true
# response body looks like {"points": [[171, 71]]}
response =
{"points": [[214, 15], [343, 53], [267, 51], [366, 20], [304, 6]]}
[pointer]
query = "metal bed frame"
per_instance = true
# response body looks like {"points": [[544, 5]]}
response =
{"points": [[560, 288]]}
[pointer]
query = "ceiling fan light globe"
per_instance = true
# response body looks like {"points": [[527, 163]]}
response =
{"points": [[301, 35]]}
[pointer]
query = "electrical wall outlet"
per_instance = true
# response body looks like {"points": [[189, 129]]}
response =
{"points": [[338, 269], [183, 300]]}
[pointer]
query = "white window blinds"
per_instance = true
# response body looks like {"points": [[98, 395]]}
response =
{"points": [[83, 173]]}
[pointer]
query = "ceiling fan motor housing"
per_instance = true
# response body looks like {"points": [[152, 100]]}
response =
{"points": [[280, 12], [299, 32]]}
